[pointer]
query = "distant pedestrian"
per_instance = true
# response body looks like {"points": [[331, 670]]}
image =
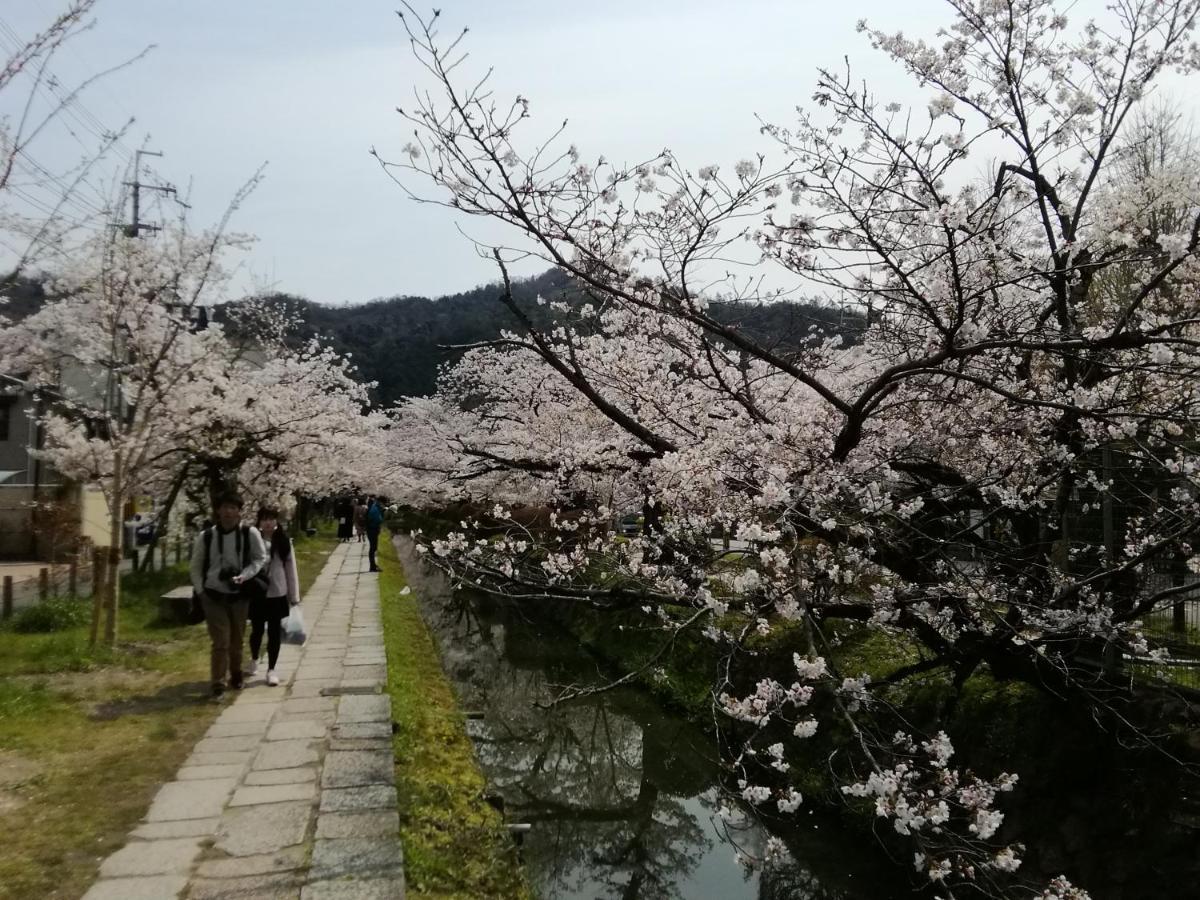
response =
{"points": [[344, 510], [223, 557], [360, 519], [283, 592], [374, 526]]}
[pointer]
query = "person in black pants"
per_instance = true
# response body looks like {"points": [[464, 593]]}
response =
{"points": [[283, 592], [374, 526]]}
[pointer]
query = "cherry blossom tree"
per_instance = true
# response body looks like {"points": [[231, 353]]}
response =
{"points": [[131, 375], [920, 477], [294, 421]]}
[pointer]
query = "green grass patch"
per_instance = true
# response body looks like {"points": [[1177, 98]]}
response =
{"points": [[455, 845], [87, 735]]}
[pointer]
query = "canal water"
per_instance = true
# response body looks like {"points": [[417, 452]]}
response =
{"points": [[622, 797]]}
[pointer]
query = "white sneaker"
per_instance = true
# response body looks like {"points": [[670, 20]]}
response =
{"points": [[272, 678], [252, 668]]}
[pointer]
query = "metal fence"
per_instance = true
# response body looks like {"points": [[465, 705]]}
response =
{"points": [[1174, 630]]}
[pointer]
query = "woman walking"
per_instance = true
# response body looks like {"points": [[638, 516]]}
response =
{"points": [[344, 510], [283, 592], [360, 519]]}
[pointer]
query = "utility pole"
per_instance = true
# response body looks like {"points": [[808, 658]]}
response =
{"points": [[136, 227]]}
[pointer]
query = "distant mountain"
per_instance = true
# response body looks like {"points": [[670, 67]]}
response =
{"points": [[400, 342]]}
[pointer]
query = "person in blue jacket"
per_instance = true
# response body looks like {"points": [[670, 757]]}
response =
{"points": [[374, 526]]}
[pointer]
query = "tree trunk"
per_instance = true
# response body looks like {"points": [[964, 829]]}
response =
{"points": [[112, 589], [163, 515]]}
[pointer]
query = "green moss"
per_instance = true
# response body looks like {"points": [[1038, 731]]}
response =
{"points": [[455, 845]]}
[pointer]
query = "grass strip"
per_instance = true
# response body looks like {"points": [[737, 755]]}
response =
{"points": [[87, 735], [455, 845]]}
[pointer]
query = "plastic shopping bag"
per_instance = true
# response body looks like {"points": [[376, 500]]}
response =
{"points": [[293, 627]]}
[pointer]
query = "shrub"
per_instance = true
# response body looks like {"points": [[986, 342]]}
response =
{"points": [[56, 614]]}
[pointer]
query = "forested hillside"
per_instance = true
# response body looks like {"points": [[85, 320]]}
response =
{"points": [[400, 342]]}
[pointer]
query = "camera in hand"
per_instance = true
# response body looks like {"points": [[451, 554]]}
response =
{"points": [[227, 574]]}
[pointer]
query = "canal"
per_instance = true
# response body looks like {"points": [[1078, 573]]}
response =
{"points": [[623, 797]]}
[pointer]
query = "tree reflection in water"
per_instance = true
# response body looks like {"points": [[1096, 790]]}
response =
{"points": [[622, 798]]}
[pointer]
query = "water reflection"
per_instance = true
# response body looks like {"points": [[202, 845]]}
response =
{"points": [[622, 797]]}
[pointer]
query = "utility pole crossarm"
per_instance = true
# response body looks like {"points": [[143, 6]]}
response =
{"points": [[136, 226]]}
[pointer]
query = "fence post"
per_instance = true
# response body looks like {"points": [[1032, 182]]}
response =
{"points": [[43, 584], [1178, 608], [98, 559], [8, 596]]}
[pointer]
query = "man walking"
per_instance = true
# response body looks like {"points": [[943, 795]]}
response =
{"points": [[374, 525], [223, 557]]}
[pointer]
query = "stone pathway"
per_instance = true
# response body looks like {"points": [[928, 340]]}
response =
{"points": [[290, 794]]}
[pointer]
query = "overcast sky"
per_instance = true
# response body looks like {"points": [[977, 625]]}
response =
{"points": [[309, 86]]}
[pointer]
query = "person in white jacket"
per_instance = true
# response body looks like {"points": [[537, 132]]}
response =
{"points": [[283, 592]]}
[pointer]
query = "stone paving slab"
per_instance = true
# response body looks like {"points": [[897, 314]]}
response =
{"points": [[356, 768], [286, 755], [363, 730], [190, 799], [176, 829], [376, 796], [356, 856], [309, 704], [269, 828], [300, 730], [379, 744], [171, 856], [364, 683], [355, 889], [275, 886], [234, 729], [324, 719], [248, 712], [219, 759], [227, 744], [253, 795], [365, 708], [254, 864], [281, 776], [371, 823], [201, 773], [312, 688], [160, 887]]}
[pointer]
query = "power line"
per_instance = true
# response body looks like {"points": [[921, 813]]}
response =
{"points": [[75, 196], [71, 105]]}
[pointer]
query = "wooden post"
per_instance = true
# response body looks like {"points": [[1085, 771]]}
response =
{"points": [[1178, 608], [112, 578], [43, 584], [98, 559], [73, 577], [8, 596]]}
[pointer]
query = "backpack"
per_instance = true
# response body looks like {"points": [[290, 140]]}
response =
{"points": [[375, 515]]}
